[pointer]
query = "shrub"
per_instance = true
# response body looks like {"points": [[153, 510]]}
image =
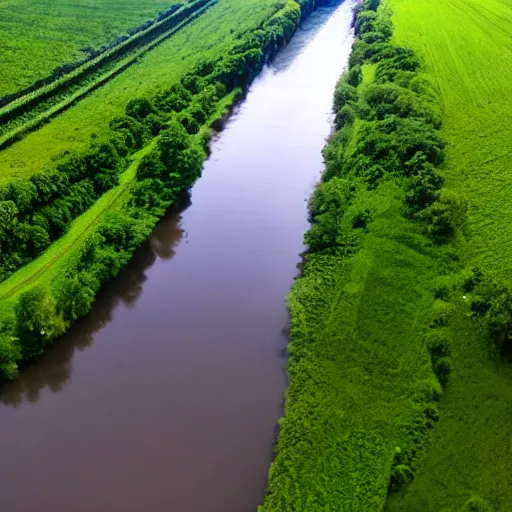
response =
{"points": [[361, 219], [443, 368], [441, 314], [139, 108], [476, 504], [401, 475], [10, 352], [37, 321], [438, 343], [345, 116], [423, 190], [438, 220], [344, 94], [355, 76], [76, 295]]}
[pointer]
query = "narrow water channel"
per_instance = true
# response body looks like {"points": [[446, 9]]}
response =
{"points": [[166, 397]]}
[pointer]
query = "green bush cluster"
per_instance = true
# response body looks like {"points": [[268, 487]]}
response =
{"points": [[491, 299]]}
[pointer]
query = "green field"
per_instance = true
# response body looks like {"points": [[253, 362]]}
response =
{"points": [[467, 51], [38, 36], [205, 37]]}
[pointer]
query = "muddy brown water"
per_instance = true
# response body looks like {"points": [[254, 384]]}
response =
{"points": [[166, 397]]}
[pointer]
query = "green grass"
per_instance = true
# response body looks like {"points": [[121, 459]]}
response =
{"points": [[466, 46], [36, 36], [205, 37], [61, 101], [467, 50]]}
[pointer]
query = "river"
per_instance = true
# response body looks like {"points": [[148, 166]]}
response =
{"points": [[166, 397]]}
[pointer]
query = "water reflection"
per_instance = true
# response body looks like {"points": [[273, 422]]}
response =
{"points": [[53, 370]]}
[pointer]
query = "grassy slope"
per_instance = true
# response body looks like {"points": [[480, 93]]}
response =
{"points": [[359, 369], [162, 66], [467, 51], [38, 36]]}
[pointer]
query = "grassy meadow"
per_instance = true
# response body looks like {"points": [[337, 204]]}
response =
{"points": [[38, 36], [466, 48], [205, 37]]}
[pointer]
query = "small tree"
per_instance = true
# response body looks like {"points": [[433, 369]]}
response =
{"points": [[37, 321]]}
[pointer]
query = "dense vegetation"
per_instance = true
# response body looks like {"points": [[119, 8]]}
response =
{"points": [[212, 34], [150, 154]]}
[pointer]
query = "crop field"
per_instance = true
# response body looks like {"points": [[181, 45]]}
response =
{"points": [[466, 48], [205, 37], [38, 36]]}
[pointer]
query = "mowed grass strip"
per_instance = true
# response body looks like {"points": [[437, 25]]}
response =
{"points": [[37, 36], [467, 50], [207, 36]]}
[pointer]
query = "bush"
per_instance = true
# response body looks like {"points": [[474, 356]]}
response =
{"points": [[345, 116], [443, 368], [438, 343], [76, 295], [344, 94], [401, 475], [438, 220], [10, 353], [441, 314], [139, 108], [361, 219], [423, 190], [355, 76], [476, 504], [37, 321]]}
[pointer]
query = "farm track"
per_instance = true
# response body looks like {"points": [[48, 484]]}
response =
{"points": [[55, 98]]}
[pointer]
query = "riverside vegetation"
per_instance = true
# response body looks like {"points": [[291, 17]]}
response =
{"points": [[398, 339], [105, 199]]}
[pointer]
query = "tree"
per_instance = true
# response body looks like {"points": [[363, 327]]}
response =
{"points": [[76, 295], [10, 352], [37, 320]]}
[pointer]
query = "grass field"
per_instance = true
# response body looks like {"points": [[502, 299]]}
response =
{"points": [[38, 36], [466, 46], [159, 68], [467, 50]]}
